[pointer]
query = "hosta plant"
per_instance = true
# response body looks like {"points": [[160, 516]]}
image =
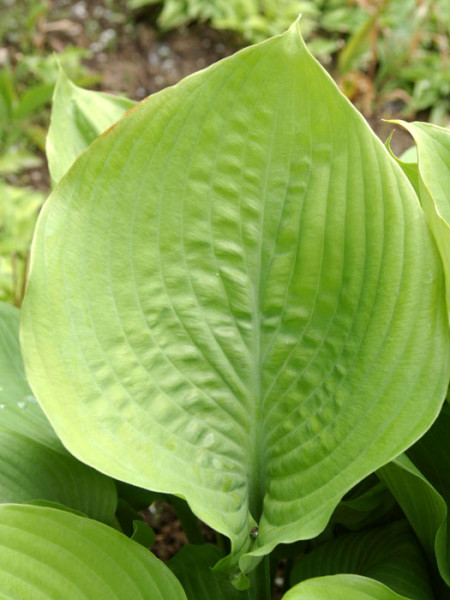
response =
{"points": [[237, 300]]}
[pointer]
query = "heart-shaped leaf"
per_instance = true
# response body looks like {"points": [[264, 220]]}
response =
{"points": [[33, 462], [78, 117], [236, 294], [54, 554]]}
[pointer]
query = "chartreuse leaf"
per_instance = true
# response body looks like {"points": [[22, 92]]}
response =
{"points": [[432, 171], [33, 462], [341, 587], [236, 294], [78, 117], [193, 565], [390, 554], [422, 488], [52, 554]]}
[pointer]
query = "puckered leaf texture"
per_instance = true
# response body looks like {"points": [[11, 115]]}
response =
{"points": [[234, 297]]}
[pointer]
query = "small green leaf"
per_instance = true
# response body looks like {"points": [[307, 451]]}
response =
{"points": [[143, 534], [389, 554], [341, 587], [78, 117], [409, 167], [32, 100], [54, 554]]}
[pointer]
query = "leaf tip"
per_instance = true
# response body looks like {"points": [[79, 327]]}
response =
{"points": [[294, 32]]}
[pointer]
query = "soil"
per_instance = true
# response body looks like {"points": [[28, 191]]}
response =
{"points": [[169, 536]]}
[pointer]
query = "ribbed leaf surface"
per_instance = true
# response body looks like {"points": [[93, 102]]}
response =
{"points": [[30, 471], [48, 554], [389, 554], [341, 587], [237, 296]]}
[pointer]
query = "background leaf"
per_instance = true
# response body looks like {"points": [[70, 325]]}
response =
{"points": [[237, 295], [368, 504], [193, 565], [433, 151], [422, 488], [76, 558], [341, 587], [389, 554], [19, 410], [78, 117], [33, 463]]}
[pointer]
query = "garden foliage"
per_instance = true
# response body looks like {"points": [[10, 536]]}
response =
{"points": [[389, 51], [237, 297]]}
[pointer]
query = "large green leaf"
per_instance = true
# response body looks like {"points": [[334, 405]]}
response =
{"points": [[78, 117], [236, 294], [432, 175], [341, 587], [422, 488], [52, 554], [389, 554], [33, 462]]}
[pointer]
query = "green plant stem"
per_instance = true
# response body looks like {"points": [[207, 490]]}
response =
{"points": [[260, 582]]}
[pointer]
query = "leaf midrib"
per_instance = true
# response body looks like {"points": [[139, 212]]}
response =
{"points": [[257, 479]]}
